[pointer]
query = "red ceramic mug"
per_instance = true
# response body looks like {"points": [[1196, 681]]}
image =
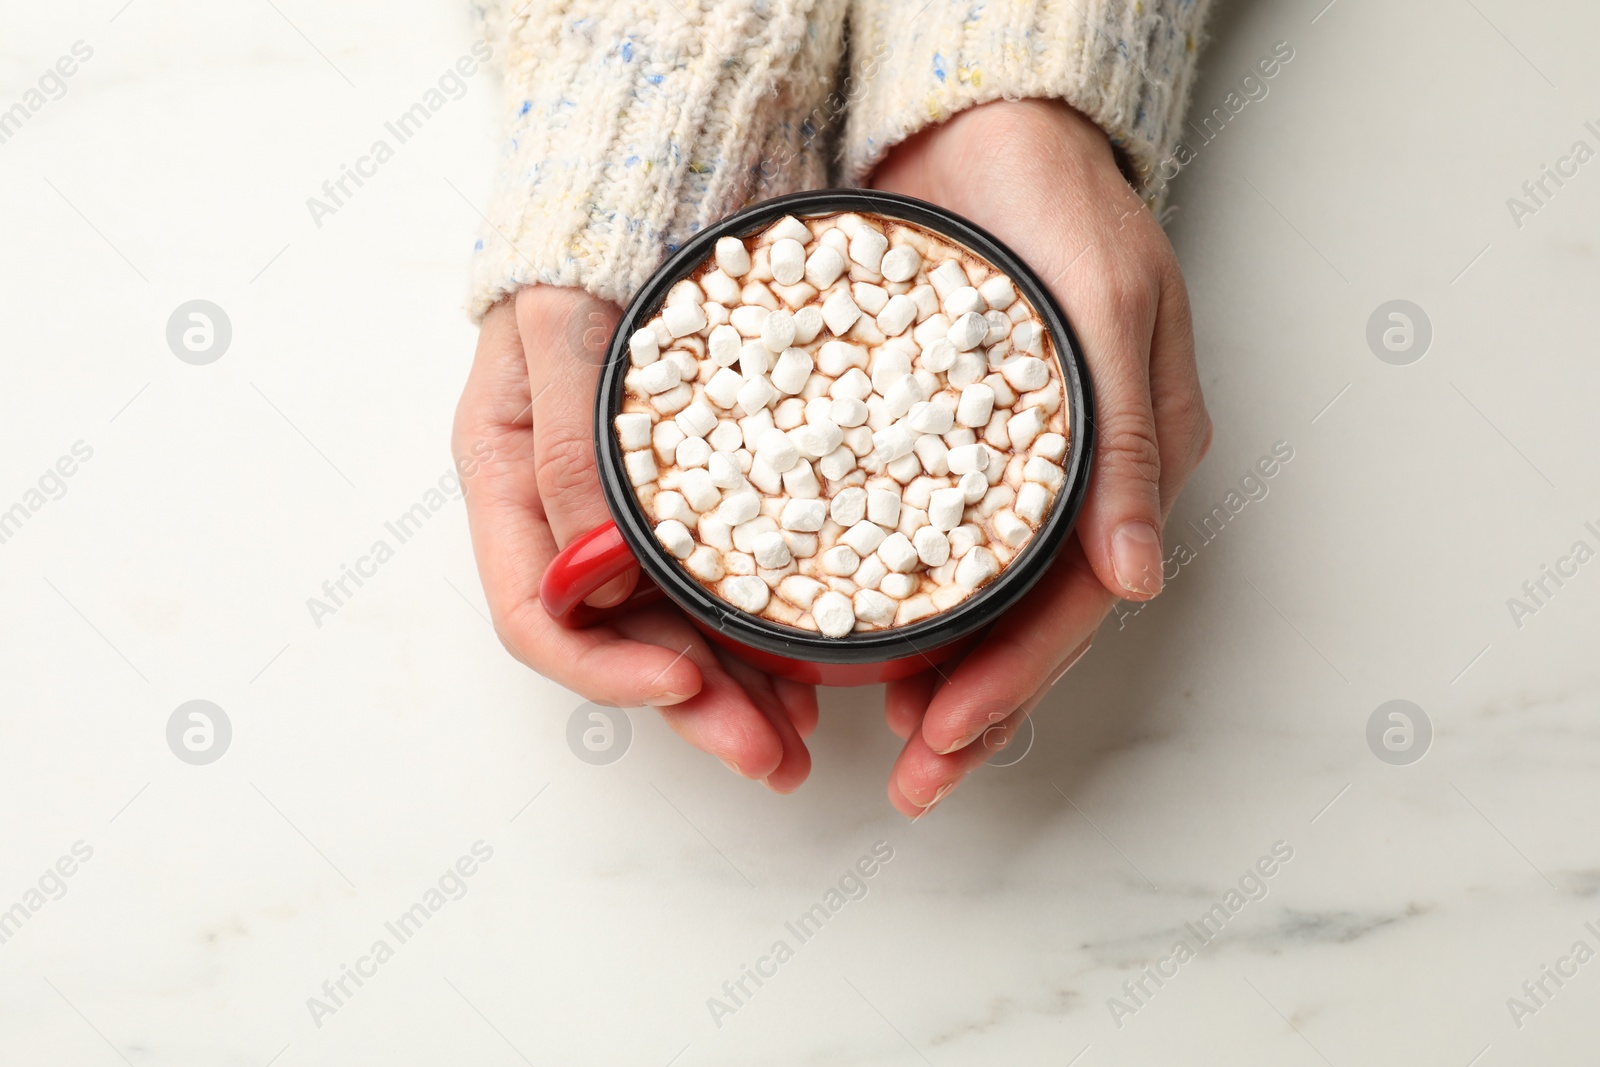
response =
{"points": [[628, 541]]}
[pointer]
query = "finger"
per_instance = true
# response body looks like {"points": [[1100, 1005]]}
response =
{"points": [[922, 778], [1121, 519], [724, 721], [906, 700], [1183, 427], [799, 702], [1019, 656], [563, 373], [795, 764], [493, 446]]}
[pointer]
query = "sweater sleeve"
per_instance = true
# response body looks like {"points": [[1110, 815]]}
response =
{"points": [[1127, 64], [632, 124]]}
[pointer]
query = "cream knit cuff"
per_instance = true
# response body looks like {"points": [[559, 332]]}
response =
{"points": [[1127, 64], [635, 123]]}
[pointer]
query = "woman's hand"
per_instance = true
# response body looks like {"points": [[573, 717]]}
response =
{"points": [[1043, 178], [524, 444]]}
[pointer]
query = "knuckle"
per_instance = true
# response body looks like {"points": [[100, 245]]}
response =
{"points": [[565, 463], [1128, 448]]}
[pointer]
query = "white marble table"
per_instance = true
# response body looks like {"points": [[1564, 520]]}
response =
{"points": [[371, 754]]}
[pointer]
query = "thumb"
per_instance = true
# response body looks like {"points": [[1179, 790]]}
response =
{"points": [[1120, 526], [565, 333]]}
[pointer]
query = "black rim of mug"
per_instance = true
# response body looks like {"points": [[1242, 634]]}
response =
{"points": [[873, 646]]}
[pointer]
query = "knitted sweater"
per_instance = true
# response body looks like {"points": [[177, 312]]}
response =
{"points": [[633, 124]]}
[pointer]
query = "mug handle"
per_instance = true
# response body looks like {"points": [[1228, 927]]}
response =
{"points": [[586, 564]]}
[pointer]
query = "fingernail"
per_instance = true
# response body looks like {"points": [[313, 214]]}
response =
{"points": [[974, 734], [943, 792], [666, 700], [732, 766], [1136, 558]]}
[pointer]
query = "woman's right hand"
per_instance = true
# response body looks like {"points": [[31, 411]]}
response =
{"points": [[524, 445]]}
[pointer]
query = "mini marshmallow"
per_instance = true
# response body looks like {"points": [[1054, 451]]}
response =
{"points": [[670, 504], [1033, 500], [724, 470], [891, 443], [973, 486], [867, 247], [740, 563], [772, 551], [976, 567], [732, 256], [933, 547], [807, 324], [777, 332], [897, 315], [883, 506], [698, 489], [1028, 337], [947, 277], [898, 553], [889, 365], [926, 299], [997, 292], [870, 298], [789, 374], [804, 516], [998, 496], [840, 312], [900, 264], [928, 417], [1051, 446], [1025, 373], [1010, 529], [964, 538], [1023, 427], [834, 614], [905, 468], [747, 319], [778, 450], [968, 368], [724, 345], [740, 506], [975, 406], [998, 337], [873, 607], [675, 538], [683, 319], [933, 328], [840, 561], [944, 509], [902, 394], [633, 430], [915, 609], [685, 292], [968, 331], [659, 376], [758, 294], [939, 356], [848, 507], [1041, 470], [800, 590], [817, 439], [745, 592], [697, 419], [835, 358], [846, 411], [641, 467], [899, 586], [932, 454], [755, 394], [789, 228], [788, 261], [967, 459], [692, 452], [800, 481], [643, 348], [789, 413], [746, 534], [705, 563], [962, 300], [824, 266], [838, 463], [858, 439], [864, 537], [721, 289], [723, 388]]}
